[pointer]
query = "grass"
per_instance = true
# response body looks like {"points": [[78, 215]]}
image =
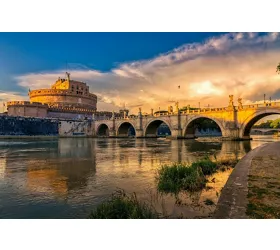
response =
{"points": [[190, 177], [208, 167], [174, 178], [258, 210], [123, 206], [180, 177], [263, 199]]}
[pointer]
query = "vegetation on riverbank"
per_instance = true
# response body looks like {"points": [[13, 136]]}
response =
{"points": [[268, 124], [263, 197], [174, 178], [189, 177], [123, 206]]}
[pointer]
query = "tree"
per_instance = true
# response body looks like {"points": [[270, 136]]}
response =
{"points": [[278, 68], [275, 123]]}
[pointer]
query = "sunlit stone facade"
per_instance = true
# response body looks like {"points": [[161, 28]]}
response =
{"points": [[66, 93], [23, 108], [65, 99]]}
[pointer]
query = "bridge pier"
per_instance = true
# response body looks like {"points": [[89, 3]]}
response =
{"points": [[235, 122], [112, 133], [176, 134], [139, 133], [189, 136]]}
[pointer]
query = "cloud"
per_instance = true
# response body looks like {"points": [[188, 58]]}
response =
{"points": [[242, 64], [12, 96]]}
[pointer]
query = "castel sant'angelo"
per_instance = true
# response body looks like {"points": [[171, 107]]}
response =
{"points": [[67, 98]]}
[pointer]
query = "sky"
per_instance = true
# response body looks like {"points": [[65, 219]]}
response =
{"points": [[145, 69]]}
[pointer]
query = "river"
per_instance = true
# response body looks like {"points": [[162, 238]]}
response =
{"points": [[68, 177]]}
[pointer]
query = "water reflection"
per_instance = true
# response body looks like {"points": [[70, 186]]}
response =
{"points": [[51, 168], [66, 178]]}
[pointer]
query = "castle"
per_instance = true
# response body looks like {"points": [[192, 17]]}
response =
{"points": [[67, 98]]}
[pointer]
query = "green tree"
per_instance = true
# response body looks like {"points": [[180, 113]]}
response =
{"points": [[275, 123]]}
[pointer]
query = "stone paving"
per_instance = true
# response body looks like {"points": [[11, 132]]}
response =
{"points": [[261, 168]]}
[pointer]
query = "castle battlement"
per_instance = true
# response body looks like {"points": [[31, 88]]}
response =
{"points": [[64, 96], [26, 103], [43, 92]]}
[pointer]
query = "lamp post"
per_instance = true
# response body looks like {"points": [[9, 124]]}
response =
{"points": [[263, 98]]}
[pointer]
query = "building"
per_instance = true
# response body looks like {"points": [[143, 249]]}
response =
{"points": [[66, 99], [66, 93], [24, 108]]}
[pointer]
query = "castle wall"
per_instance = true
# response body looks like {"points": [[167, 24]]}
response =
{"points": [[28, 126], [68, 115], [71, 128], [66, 99], [27, 109], [61, 98]]}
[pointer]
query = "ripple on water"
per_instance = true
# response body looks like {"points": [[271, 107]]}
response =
{"points": [[66, 178]]}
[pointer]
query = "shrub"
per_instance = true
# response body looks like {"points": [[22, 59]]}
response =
{"points": [[123, 206], [180, 177], [208, 167]]}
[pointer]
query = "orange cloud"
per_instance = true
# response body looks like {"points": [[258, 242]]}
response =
{"points": [[242, 64]]}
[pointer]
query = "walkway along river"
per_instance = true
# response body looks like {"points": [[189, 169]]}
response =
{"points": [[68, 177]]}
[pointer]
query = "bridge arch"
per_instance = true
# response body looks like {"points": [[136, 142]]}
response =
{"points": [[246, 126], [151, 128], [102, 130], [193, 124], [126, 129], [264, 131]]}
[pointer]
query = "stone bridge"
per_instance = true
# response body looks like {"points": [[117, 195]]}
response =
{"points": [[265, 130], [235, 122]]}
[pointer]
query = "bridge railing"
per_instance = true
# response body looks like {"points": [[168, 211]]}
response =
{"points": [[126, 118], [202, 110], [196, 111], [262, 105]]}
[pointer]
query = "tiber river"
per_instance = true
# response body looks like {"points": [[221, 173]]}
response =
{"points": [[68, 177]]}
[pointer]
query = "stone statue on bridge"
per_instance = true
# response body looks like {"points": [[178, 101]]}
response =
{"points": [[231, 101], [177, 106], [240, 106], [170, 109]]}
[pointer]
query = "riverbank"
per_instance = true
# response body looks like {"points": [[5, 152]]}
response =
{"points": [[188, 185], [252, 190], [69, 177], [43, 136]]}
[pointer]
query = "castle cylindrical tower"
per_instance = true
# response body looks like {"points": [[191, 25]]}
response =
{"points": [[66, 93]]}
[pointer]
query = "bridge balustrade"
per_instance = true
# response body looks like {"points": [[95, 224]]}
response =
{"points": [[262, 105]]}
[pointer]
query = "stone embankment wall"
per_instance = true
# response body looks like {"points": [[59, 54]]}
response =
{"points": [[75, 128], [20, 126], [258, 171], [24, 126]]}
